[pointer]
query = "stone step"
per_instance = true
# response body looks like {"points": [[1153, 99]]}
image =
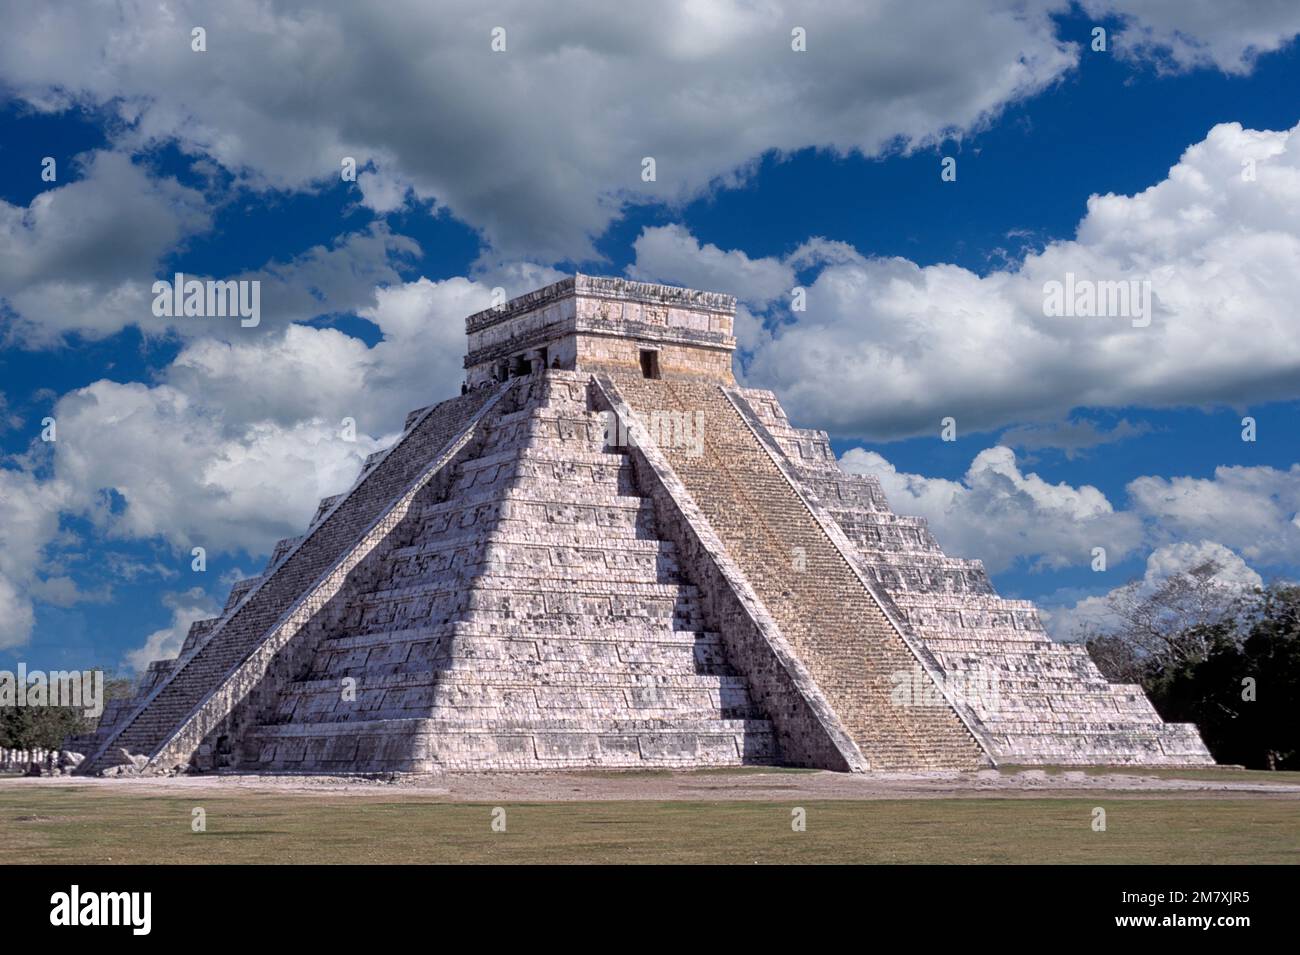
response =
{"points": [[1042, 689], [380, 664], [1012, 663], [612, 459], [515, 527], [961, 652], [547, 675], [522, 632], [578, 625], [430, 726], [198, 631], [632, 517], [509, 702], [527, 563], [537, 491], [592, 617], [534, 493], [517, 706], [466, 745], [1040, 720], [513, 535], [1082, 728], [238, 590], [282, 547], [1168, 743], [1013, 641], [963, 602], [831, 620], [583, 430], [326, 503], [907, 573], [505, 702], [514, 555], [596, 472], [917, 560], [566, 614], [553, 405], [547, 411], [343, 656], [557, 593]]}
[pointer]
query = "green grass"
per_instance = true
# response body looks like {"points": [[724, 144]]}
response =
{"points": [[83, 825]]}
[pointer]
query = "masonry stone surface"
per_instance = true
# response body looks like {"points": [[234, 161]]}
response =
{"points": [[541, 574]]}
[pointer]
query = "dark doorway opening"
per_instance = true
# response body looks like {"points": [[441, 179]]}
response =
{"points": [[649, 363]]}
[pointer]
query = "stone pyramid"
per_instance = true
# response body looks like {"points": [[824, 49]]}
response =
{"points": [[606, 554]]}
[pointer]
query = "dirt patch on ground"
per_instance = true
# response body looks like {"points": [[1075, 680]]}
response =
{"points": [[747, 784]]}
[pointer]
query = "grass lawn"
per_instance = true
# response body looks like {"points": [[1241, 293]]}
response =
{"points": [[81, 825]]}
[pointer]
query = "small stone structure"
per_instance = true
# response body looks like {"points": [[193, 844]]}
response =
{"points": [[606, 553], [38, 762]]}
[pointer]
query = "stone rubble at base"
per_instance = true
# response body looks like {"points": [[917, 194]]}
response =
{"points": [[506, 589]]}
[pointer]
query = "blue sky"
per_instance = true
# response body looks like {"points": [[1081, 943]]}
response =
{"points": [[772, 171]]}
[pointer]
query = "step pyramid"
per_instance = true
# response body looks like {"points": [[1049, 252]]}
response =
{"points": [[606, 554]]}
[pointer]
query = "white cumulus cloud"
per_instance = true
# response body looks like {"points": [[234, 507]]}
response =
{"points": [[1090, 615], [1254, 510], [1183, 34], [540, 146], [29, 524], [1003, 516], [165, 643], [888, 348]]}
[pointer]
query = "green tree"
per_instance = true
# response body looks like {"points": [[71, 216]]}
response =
{"points": [[1233, 671], [46, 727]]}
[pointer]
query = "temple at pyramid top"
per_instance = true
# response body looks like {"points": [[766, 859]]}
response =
{"points": [[592, 324]]}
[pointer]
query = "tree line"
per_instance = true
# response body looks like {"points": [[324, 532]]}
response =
{"points": [[46, 727], [1210, 654]]}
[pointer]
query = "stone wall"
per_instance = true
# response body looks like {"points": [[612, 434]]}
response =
{"points": [[623, 356]]}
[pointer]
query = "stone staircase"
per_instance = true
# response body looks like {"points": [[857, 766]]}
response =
{"points": [[804, 580], [194, 694], [533, 620], [1036, 701]]}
